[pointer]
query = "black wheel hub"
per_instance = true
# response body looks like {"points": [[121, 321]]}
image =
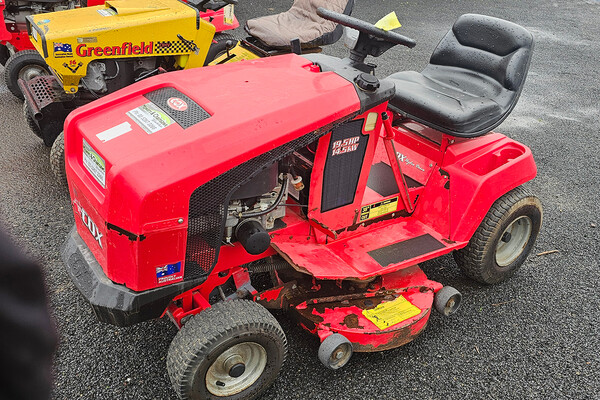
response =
{"points": [[237, 370]]}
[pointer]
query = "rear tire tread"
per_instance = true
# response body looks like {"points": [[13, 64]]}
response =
{"points": [[57, 159], [471, 259], [31, 121], [217, 48]]}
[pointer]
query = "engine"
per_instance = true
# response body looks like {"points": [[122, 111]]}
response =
{"points": [[258, 205], [106, 76], [16, 11], [255, 207]]}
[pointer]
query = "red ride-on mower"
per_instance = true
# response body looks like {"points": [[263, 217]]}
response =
{"points": [[319, 196]]}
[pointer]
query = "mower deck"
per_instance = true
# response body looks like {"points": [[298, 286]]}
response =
{"points": [[375, 314], [374, 320]]}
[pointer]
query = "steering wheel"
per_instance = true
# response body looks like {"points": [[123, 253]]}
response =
{"points": [[362, 26]]}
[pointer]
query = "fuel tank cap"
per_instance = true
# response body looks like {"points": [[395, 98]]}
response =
{"points": [[367, 82]]}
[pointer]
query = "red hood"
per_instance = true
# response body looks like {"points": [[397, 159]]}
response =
{"points": [[254, 106]]}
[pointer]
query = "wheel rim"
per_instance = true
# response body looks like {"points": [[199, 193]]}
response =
{"points": [[32, 71], [513, 241], [340, 356], [236, 369], [452, 304]]}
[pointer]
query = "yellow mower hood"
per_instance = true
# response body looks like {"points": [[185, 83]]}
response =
{"points": [[69, 40]]}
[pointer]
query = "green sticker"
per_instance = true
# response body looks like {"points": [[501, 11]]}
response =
{"points": [[150, 118], [94, 164]]}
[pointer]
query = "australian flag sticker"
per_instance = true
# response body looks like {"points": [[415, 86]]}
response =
{"points": [[62, 50], [169, 273]]}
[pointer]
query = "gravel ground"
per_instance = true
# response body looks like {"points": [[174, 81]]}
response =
{"points": [[535, 336]]}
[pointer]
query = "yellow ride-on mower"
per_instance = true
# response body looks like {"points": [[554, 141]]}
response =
{"points": [[98, 50], [94, 51]]}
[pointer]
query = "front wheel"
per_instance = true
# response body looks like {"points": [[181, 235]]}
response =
{"points": [[26, 65], [57, 159], [4, 54], [504, 239], [233, 350], [33, 126]]}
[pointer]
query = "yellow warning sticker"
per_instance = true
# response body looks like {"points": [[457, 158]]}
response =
{"points": [[391, 313], [378, 209]]}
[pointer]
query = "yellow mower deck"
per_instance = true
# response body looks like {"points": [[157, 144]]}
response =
{"points": [[70, 40]]}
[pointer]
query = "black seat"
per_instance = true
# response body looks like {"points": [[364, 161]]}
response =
{"points": [[473, 80], [302, 22]]}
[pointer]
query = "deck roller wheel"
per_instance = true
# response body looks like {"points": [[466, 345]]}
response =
{"points": [[335, 351], [447, 300]]}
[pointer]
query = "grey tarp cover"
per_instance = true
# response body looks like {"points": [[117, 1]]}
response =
{"points": [[301, 21]]}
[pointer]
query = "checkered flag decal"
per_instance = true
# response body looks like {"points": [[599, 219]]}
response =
{"points": [[171, 47]]}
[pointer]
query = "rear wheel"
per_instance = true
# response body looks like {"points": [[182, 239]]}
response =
{"points": [[504, 239], [220, 47], [4, 54], [26, 65], [57, 159], [31, 121], [232, 350]]}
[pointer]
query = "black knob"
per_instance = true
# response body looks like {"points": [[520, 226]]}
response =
{"points": [[367, 82]]}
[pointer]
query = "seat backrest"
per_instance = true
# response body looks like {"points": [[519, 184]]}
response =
{"points": [[334, 35], [300, 21], [494, 47]]}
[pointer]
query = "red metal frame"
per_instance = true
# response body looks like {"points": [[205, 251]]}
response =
{"points": [[10, 33]]}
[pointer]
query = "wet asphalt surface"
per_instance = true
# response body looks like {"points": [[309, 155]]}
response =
{"points": [[534, 336]]}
